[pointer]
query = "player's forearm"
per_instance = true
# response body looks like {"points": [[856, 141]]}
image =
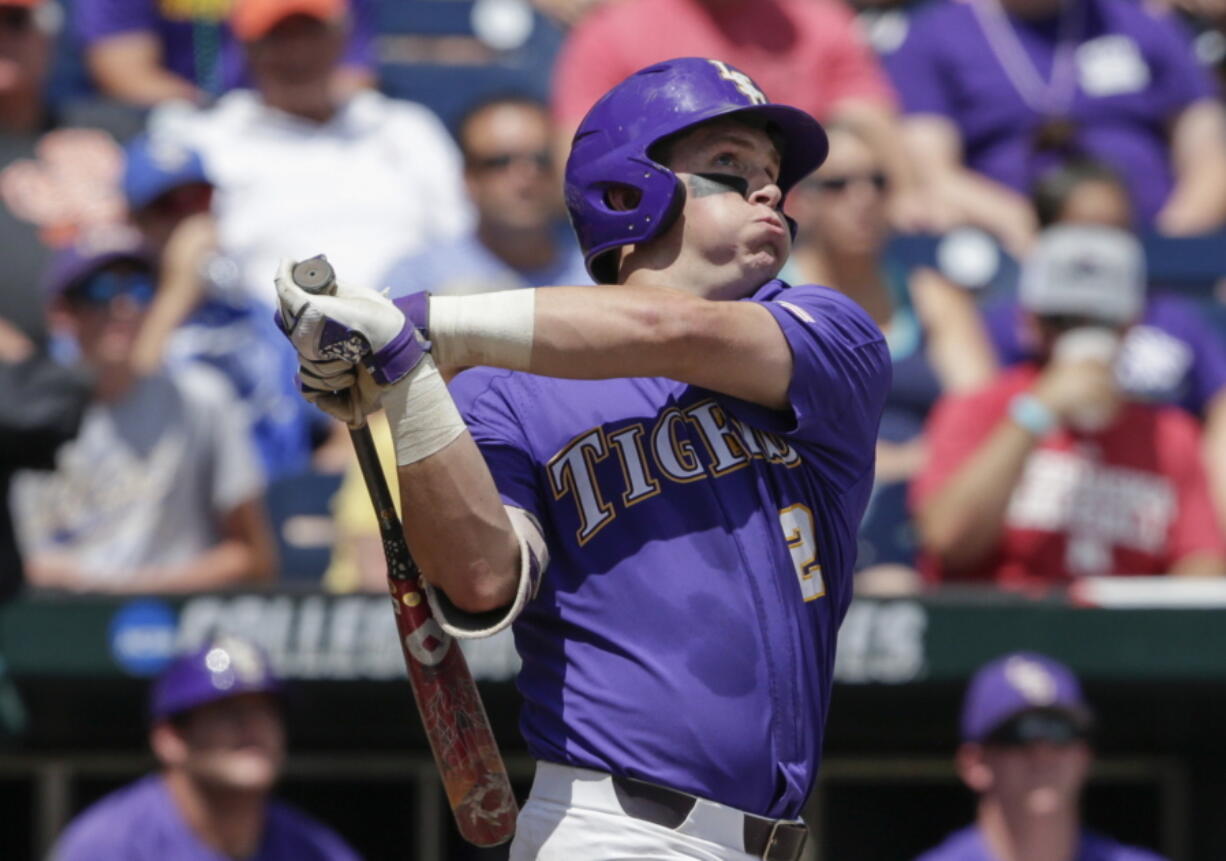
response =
{"points": [[233, 562], [128, 67], [1197, 203], [455, 522], [1201, 564], [596, 333], [1214, 448], [963, 521]]}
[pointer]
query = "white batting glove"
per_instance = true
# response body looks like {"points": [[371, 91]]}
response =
{"points": [[350, 344]]}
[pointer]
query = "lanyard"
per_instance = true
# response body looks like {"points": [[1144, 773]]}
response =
{"points": [[1047, 98]]}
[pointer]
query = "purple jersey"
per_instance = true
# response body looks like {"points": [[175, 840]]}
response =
{"points": [[195, 38], [969, 845], [1173, 356], [701, 557], [140, 822], [1132, 72]]}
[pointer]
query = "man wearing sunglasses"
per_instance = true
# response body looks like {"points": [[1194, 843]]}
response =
{"points": [[521, 238], [161, 490], [1026, 755], [1050, 473]]}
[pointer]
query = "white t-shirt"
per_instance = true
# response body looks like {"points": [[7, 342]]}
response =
{"points": [[146, 481], [380, 180]]}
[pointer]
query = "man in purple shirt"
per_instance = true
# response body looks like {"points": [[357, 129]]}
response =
{"points": [[998, 91], [148, 51], [1025, 753], [687, 448], [218, 734]]}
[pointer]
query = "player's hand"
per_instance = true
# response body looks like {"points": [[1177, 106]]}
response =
{"points": [[350, 394], [354, 326]]}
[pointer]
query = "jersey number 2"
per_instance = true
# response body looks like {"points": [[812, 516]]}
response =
{"points": [[798, 532]]}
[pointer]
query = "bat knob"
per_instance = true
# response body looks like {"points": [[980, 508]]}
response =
{"points": [[314, 275]]}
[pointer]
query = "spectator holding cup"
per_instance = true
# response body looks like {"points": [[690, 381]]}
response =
{"points": [[1051, 473]]}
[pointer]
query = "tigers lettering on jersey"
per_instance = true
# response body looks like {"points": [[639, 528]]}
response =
{"points": [[686, 444]]}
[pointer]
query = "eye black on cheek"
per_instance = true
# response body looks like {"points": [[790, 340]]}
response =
{"points": [[705, 184]]}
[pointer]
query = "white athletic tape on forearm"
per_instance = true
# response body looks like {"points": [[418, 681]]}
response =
{"points": [[533, 560], [421, 413], [492, 329]]}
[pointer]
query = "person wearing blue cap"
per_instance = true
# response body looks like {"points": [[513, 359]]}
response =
{"points": [[202, 312], [1026, 755], [217, 730]]}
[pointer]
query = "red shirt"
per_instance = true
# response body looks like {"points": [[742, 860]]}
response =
{"points": [[805, 53], [1132, 499]]}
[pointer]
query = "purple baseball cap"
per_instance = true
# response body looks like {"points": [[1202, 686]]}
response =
{"points": [[72, 265], [1017, 683], [225, 666]]}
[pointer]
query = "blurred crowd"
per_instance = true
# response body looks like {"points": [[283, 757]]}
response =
{"points": [[1058, 408]]}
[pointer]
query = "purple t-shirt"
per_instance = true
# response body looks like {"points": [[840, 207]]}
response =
{"points": [[140, 822], [1132, 72], [701, 557], [969, 845], [1173, 356], [196, 40]]}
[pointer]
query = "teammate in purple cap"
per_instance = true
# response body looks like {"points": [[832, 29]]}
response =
{"points": [[217, 731], [690, 469], [1025, 753]]}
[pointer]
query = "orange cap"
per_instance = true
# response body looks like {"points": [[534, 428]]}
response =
{"points": [[25, 4], [252, 19]]}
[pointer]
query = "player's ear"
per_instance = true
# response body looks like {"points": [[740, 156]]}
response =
{"points": [[973, 768], [168, 744]]}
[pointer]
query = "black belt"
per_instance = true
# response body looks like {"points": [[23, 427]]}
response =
{"points": [[769, 839]]}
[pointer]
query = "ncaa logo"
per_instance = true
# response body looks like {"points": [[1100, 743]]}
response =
{"points": [[741, 81], [142, 636]]}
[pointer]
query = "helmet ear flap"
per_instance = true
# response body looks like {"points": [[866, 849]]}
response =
{"points": [[622, 208]]}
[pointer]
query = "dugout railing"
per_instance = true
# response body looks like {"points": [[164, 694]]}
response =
{"points": [[77, 669]]}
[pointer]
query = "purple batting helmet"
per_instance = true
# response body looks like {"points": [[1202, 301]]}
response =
{"points": [[613, 148], [226, 666]]}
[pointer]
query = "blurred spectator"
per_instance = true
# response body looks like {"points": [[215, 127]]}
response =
{"points": [[143, 52], [932, 326], [999, 91], [936, 339], [298, 168], [25, 54], [1025, 753], [41, 406], [521, 238], [201, 313], [1173, 355], [219, 737], [1049, 473], [802, 53], [161, 490]]}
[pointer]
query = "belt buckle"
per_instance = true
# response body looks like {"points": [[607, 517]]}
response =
{"points": [[772, 842]]}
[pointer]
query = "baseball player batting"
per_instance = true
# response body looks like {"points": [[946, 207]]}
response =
{"points": [[656, 481]]}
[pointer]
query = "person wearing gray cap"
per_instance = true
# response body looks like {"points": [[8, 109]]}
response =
{"points": [[1026, 755], [1050, 473], [216, 728]]}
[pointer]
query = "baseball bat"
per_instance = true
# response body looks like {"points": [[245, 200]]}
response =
{"points": [[469, 763]]}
